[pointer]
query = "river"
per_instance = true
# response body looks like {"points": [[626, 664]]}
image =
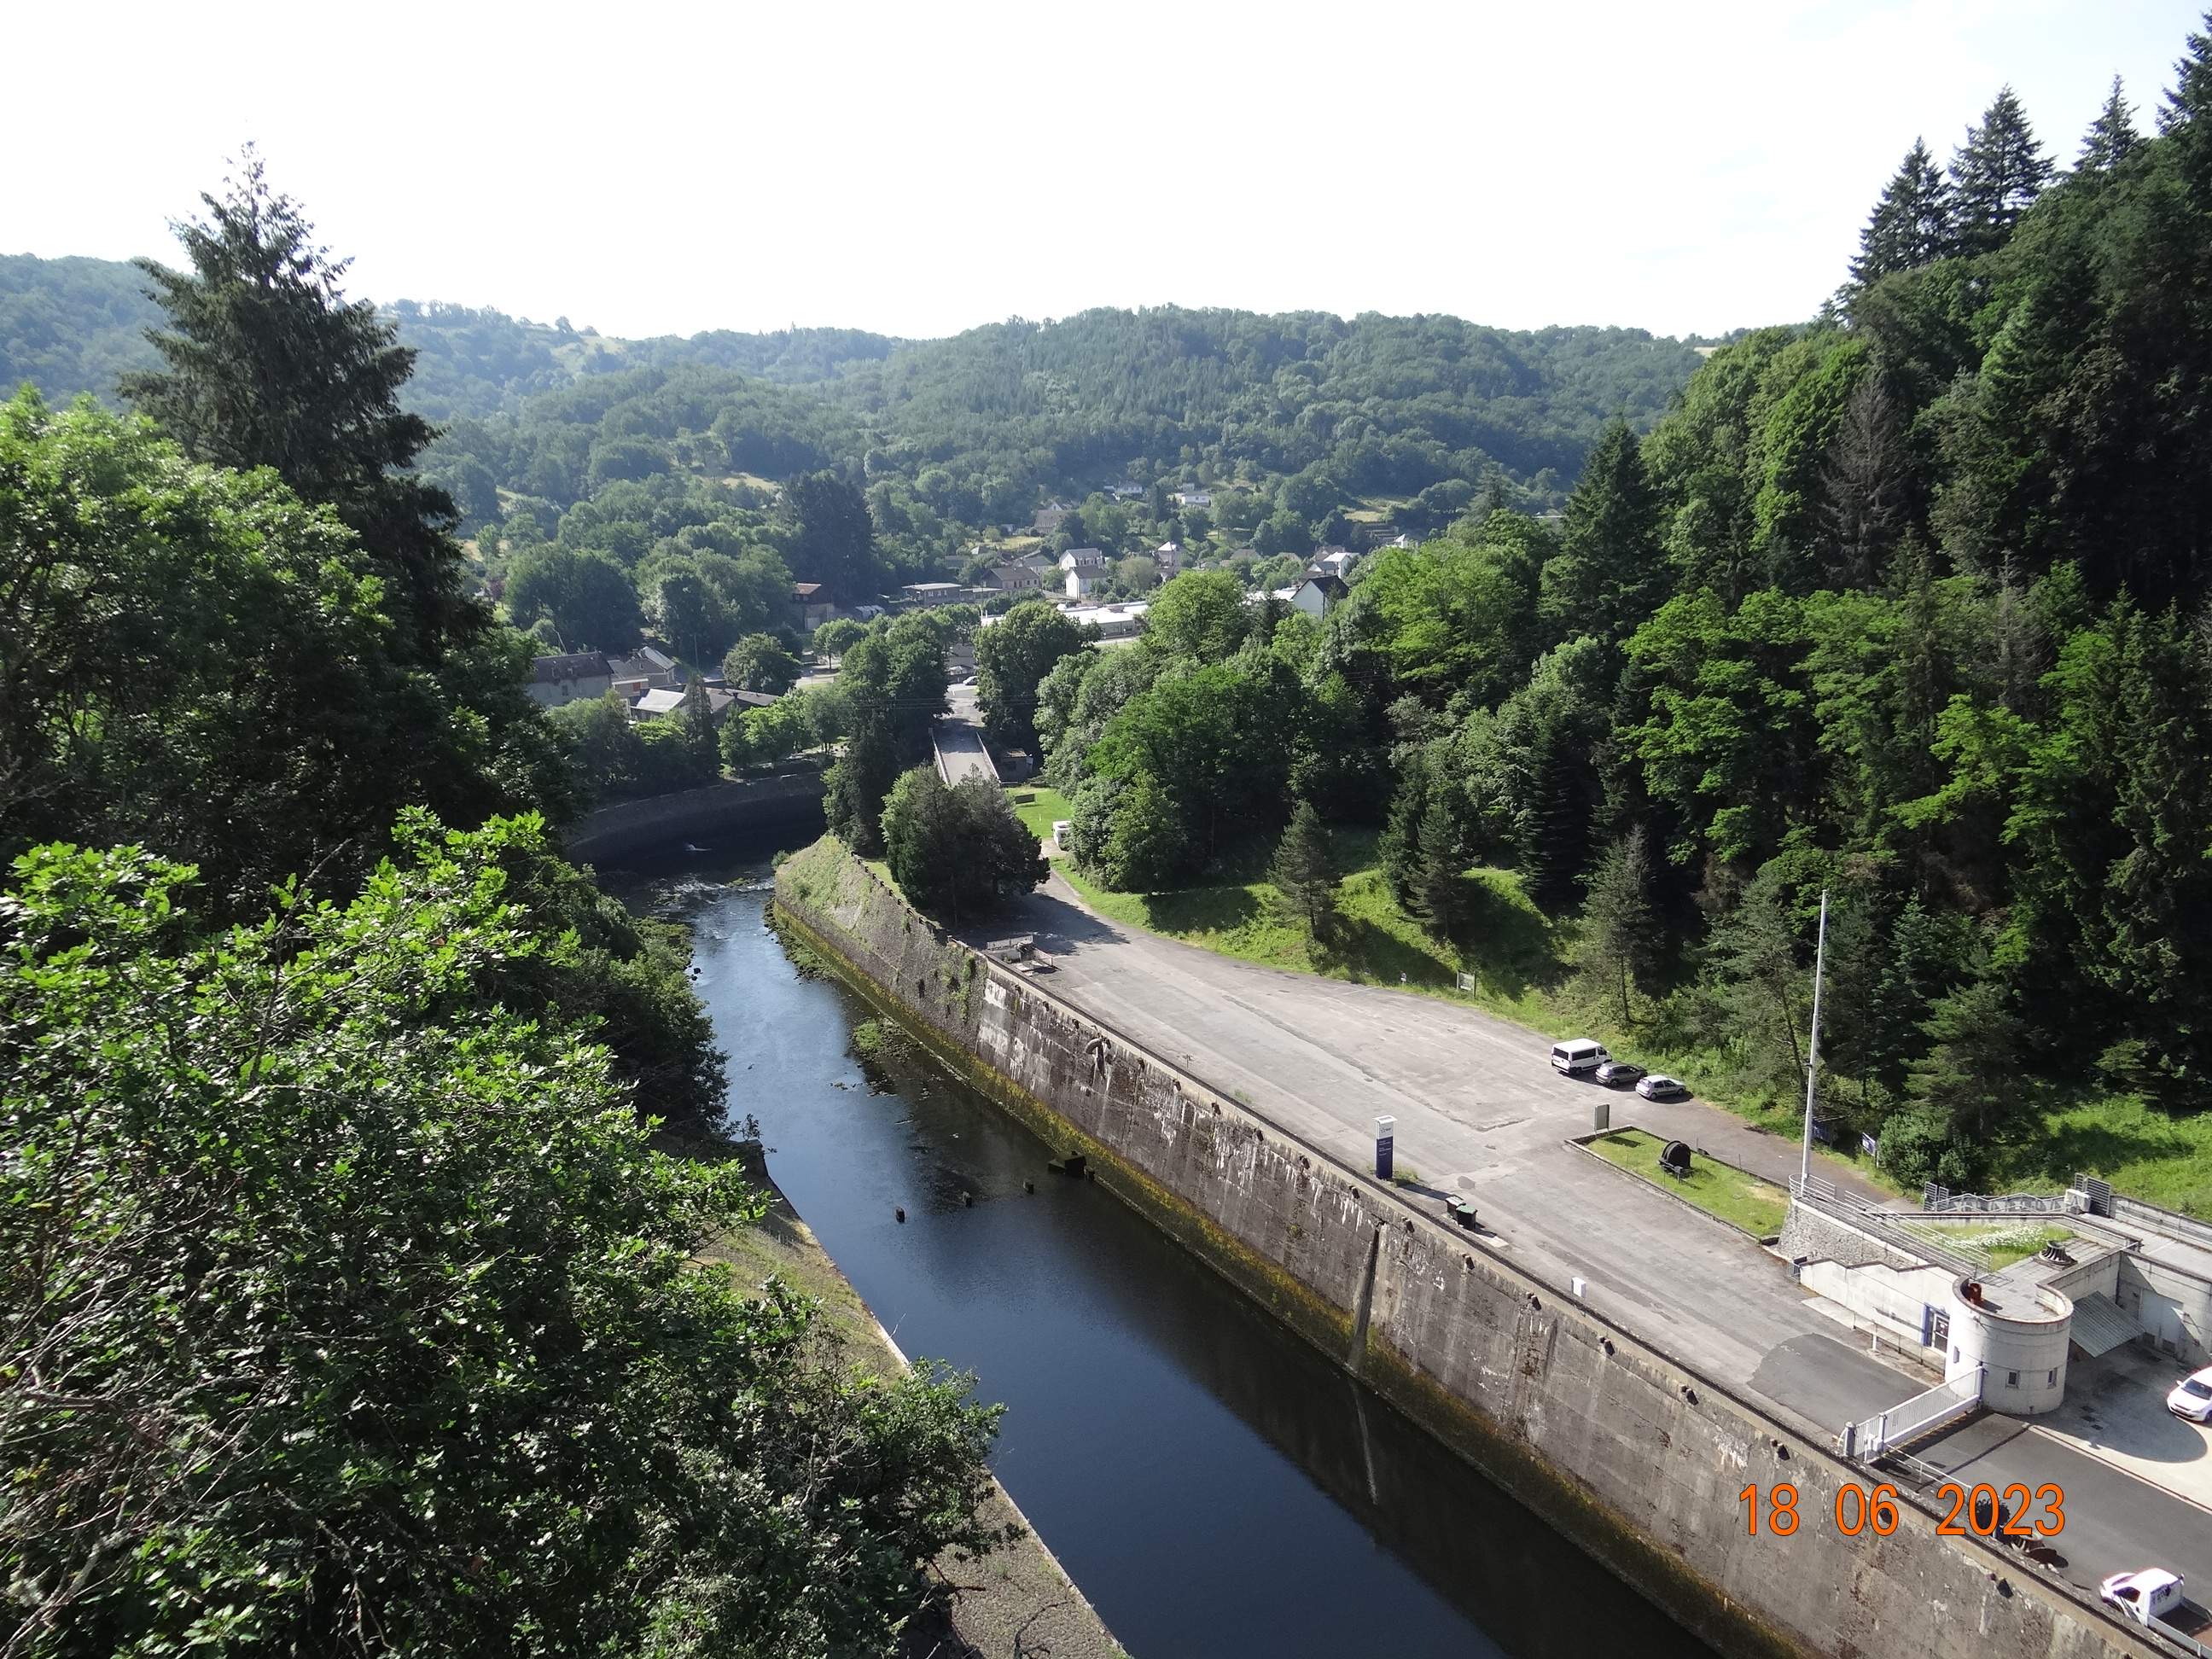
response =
{"points": [[1215, 1485]]}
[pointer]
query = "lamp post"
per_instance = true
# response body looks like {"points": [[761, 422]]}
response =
{"points": [[1813, 1048]]}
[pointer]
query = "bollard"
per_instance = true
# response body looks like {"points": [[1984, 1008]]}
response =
{"points": [[1386, 1144], [1601, 1117], [901, 1213]]}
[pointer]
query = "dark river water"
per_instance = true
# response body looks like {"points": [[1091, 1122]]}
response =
{"points": [[1214, 1486]]}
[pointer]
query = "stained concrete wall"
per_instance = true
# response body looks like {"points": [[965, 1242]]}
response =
{"points": [[791, 805], [1631, 1452]]}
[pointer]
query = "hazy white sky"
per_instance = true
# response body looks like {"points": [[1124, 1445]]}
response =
{"points": [[668, 167]]}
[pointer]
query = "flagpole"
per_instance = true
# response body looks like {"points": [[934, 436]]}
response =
{"points": [[1813, 1048]]}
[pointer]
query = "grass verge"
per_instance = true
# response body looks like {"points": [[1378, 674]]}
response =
{"points": [[1719, 1189]]}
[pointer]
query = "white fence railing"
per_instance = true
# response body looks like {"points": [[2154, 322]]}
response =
{"points": [[1939, 1198], [1909, 1419]]}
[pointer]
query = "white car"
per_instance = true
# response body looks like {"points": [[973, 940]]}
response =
{"points": [[1657, 1087], [2192, 1397]]}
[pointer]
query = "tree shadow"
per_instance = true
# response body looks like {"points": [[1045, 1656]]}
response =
{"points": [[1202, 909], [1505, 939]]}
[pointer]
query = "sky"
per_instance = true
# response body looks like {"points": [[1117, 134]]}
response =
{"points": [[670, 165]]}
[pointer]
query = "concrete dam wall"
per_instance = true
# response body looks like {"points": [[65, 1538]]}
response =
{"points": [[1635, 1457], [792, 804]]}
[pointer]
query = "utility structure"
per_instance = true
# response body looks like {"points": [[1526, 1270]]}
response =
{"points": [[1813, 1047]]}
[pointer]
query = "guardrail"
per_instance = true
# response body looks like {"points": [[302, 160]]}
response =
{"points": [[1824, 1195], [1909, 1419]]}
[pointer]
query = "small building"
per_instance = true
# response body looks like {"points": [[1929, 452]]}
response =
{"points": [[1084, 580], [1335, 562], [1050, 515], [1316, 594], [1113, 622], [811, 605], [1082, 558], [571, 677], [1169, 557], [1193, 497], [1124, 491], [654, 703], [1015, 578], [647, 669], [932, 593]]}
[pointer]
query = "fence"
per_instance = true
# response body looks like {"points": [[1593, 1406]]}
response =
{"points": [[1825, 1196], [1909, 1419], [1939, 1198]]}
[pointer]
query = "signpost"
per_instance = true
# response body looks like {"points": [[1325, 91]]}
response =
{"points": [[1386, 1144]]}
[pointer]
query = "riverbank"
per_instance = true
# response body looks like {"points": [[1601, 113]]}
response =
{"points": [[1017, 1601]]}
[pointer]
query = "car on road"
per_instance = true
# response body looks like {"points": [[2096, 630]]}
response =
{"points": [[2192, 1397], [1658, 1086], [1619, 1073], [2155, 1597]]}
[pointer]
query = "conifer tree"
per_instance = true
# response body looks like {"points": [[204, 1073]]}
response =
{"points": [[1439, 892], [1301, 874], [1609, 569], [2112, 137], [270, 365], [1996, 176], [1618, 926], [1911, 225]]}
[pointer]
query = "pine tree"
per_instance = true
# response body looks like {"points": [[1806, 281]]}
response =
{"points": [[270, 365], [2112, 137], [1400, 848], [1996, 176], [1911, 225], [1301, 874], [1619, 925], [1609, 565], [1440, 890], [2191, 97]]}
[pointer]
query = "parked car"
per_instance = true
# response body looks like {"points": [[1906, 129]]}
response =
{"points": [[2155, 1597], [1657, 1087], [1578, 1055], [1619, 1073], [2192, 1397]]}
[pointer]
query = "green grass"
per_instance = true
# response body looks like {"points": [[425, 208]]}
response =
{"points": [[2000, 1243], [1719, 1189], [1040, 810], [1523, 963]]}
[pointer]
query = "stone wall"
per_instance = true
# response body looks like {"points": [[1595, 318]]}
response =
{"points": [[1808, 1235], [1631, 1452], [792, 804]]}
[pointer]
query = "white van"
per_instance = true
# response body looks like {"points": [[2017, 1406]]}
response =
{"points": [[1577, 1055]]}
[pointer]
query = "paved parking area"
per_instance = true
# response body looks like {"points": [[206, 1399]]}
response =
{"points": [[2115, 1411]]}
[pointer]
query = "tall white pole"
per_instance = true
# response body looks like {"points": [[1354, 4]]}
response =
{"points": [[1813, 1048]]}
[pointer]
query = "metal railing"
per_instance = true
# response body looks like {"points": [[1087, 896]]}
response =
{"points": [[1909, 1419], [1819, 1193]]}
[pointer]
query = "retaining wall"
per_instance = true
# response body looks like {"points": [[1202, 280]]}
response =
{"points": [[791, 804], [1634, 1455]]}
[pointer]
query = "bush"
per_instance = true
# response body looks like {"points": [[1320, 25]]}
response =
{"points": [[392, 1313]]}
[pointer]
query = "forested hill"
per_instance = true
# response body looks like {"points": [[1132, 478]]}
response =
{"points": [[979, 427]]}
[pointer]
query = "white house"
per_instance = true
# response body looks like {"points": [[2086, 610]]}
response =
{"points": [[1082, 558], [1084, 580], [1336, 560], [1193, 497], [1316, 595], [1169, 557]]}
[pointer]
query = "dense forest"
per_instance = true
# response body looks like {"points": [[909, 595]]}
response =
{"points": [[351, 1295], [1310, 428], [1906, 605]]}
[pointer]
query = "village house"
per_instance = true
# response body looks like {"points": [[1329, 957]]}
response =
{"points": [[571, 677], [647, 669], [811, 606], [1048, 516]]}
